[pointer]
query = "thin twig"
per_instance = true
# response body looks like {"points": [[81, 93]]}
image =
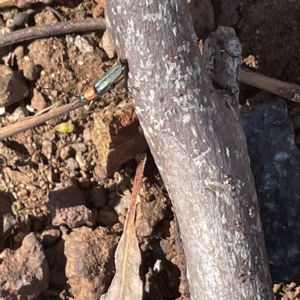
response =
{"points": [[283, 89], [36, 120], [37, 32]]}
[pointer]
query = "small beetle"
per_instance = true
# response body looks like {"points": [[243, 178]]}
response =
{"points": [[104, 84]]}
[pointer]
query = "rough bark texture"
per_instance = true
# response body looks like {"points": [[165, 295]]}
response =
{"points": [[199, 147]]}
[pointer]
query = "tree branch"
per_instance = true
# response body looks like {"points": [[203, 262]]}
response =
{"points": [[199, 147], [38, 32]]}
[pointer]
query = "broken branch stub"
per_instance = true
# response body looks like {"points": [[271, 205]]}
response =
{"points": [[199, 147]]}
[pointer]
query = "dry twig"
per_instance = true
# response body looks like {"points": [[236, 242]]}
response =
{"points": [[37, 32], [283, 89], [34, 121]]}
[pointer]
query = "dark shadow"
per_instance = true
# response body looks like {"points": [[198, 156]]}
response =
{"points": [[161, 283]]}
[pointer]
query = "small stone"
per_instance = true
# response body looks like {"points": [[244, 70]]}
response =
{"points": [[98, 12], [20, 19], [80, 159], [10, 24], [19, 237], [83, 45], [75, 216], [157, 268], [79, 147], [67, 207], [107, 217], [47, 148], [49, 175], [66, 152], [19, 113], [86, 134], [17, 176], [35, 158], [38, 102], [24, 271], [148, 214], [108, 45], [30, 70], [13, 88], [72, 164], [2, 111], [90, 261], [292, 285], [99, 173], [276, 288], [67, 197], [118, 228], [98, 197], [122, 205], [19, 52]]}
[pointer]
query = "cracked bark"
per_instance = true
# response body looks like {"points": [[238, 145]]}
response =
{"points": [[199, 147]]}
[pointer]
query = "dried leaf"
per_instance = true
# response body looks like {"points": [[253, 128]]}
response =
{"points": [[127, 283]]}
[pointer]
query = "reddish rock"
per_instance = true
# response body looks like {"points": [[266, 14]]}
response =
{"points": [[117, 138], [13, 87], [67, 207], [90, 261], [67, 197], [24, 272], [66, 152], [38, 101], [75, 216], [148, 214]]}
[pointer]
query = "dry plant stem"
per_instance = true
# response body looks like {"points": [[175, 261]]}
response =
{"points": [[6, 3], [37, 32], [283, 89], [141, 160], [129, 228], [34, 121]]}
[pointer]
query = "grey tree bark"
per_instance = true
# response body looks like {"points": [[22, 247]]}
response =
{"points": [[199, 147]]}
